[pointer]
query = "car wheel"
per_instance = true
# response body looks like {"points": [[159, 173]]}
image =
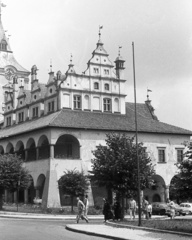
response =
{"points": [[183, 214]]}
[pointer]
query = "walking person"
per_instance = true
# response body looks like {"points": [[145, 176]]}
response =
{"points": [[149, 209], [171, 204], [132, 208], [117, 210], [106, 210], [145, 208], [81, 209], [86, 203]]}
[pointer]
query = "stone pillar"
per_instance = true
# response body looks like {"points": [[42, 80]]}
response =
{"points": [[26, 155], [51, 196], [37, 192], [166, 192], [51, 151], [6, 195], [15, 197], [26, 196], [37, 153]]}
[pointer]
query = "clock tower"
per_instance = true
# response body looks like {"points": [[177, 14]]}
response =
{"points": [[9, 68]]}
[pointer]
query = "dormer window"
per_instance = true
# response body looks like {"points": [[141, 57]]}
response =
{"points": [[107, 86], [21, 116], [3, 45], [51, 106], [96, 85], [35, 112], [106, 71], [8, 121], [96, 70]]}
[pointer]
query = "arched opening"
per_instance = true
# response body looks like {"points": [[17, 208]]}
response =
{"points": [[19, 149], [40, 185], [10, 148], [44, 148], [31, 190], [157, 192], [67, 147], [156, 198], [31, 150], [1, 150]]}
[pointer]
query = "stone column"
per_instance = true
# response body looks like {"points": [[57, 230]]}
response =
{"points": [[37, 192], [166, 192], [26, 155], [26, 196], [37, 153], [52, 151]]}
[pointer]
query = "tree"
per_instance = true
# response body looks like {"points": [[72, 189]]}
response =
{"points": [[74, 183], [115, 165], [181, 185], [12, 172]]}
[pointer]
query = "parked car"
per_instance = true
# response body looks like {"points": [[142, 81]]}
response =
{"points": [[186, 208], [179, 210], [159, 208]]}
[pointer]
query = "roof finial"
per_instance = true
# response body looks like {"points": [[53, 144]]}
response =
{"points": [[100, 27], [1, 5], [148, 90], [50, 65], [71, 58], [119, 51]]}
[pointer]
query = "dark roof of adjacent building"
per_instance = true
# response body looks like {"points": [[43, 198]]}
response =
{"points": [[66, 118]]}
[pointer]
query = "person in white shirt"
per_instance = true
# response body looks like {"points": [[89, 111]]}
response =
{"points": [[81, 209], [86, 203], [132, 208]]}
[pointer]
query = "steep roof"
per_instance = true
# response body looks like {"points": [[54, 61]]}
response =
{"points": [[97, 121], [6, 57]]}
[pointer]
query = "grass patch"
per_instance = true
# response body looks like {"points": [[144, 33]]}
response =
{"points": [[176, 225]]}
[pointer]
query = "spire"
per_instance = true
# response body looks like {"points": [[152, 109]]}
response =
{"points": [[71, 68], [119, 65], [148, 90], [99, 41], [1, 5], [150, 107]]}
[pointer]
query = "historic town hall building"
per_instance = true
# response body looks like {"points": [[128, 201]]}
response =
{"points": [[55, 126]]}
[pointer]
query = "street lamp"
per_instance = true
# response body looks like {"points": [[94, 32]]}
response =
{"points": [[136, 134]]}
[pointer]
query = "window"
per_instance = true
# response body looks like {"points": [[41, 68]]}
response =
{"points": [[21, 116], [106, 71], [51, 106], [77, 102], [3, 45], [8, 121], [161, 155], [96, 85], [107, 104], [106, 86], [96, 70], [179, 155], [35, 112]]}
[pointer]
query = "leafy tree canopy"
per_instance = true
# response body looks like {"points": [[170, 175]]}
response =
{"points": [[12, 172], [115, 165], [181, 185], [73, 182]]}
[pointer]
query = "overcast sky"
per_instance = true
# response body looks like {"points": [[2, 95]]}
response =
{"points": [[50, 30]]}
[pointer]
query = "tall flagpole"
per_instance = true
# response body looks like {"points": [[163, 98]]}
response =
{"points": [[138, 169]]}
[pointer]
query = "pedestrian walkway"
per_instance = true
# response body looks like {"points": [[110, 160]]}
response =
{"points": [[124, 233]]}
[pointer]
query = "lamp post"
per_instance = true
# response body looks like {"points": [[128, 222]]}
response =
{"points": [[18, 186], [136, 134]]}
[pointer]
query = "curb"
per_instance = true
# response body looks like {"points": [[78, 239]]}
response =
{"points": [[147, 229], [93, 233]]}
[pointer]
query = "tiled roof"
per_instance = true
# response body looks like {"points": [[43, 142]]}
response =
{"points": [[97, 121]]}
